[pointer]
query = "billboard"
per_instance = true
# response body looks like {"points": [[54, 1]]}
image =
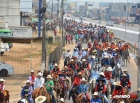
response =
{"points": [[25, 5], [21, 31]]}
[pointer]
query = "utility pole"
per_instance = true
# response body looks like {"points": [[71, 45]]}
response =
{"points": [[52, 11], [39, 18], [44, 36], [62, 14], [57, 8], [139, 36]]}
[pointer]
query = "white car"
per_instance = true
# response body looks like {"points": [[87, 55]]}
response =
{"points": [[109, 23], [6, 69]]}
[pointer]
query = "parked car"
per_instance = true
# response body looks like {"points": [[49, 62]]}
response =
{"points": [[6, 69], [93, 18], [109, 23]]}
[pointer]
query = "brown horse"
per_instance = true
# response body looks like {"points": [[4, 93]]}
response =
{"points": [[80, 98], [35, 93], [43, 92], [6, 96]]}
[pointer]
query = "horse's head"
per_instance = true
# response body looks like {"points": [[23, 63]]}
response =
{"points": [[42, 91], [118, 66]]}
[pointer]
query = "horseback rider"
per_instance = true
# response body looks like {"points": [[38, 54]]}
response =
{"points": [[84, 53], [2, 86], [125, 72], [73, 66], [75, 53], [56, 69], [101, 88], [32, 78], [51, 65], [85, 64], [118, 90], [39, 81], [49, 87], [94, 74], [76, 83], [83, 88], [26, 92], [68, 54], [95, 98], [106, 61], [125, 82], [101, 76]]}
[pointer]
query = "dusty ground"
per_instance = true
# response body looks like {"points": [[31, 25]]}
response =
{"points": [[23, 58]]}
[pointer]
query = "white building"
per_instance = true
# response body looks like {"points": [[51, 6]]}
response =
{"points": [[10, 12]]}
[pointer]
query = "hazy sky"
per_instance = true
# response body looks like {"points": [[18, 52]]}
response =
{"points": [[135, 1]]}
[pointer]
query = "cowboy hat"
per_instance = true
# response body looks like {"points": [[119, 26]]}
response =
{"points": [[117, 83], [2, 80], [102, 74], [32, 71], [125, 70], [83, 79], [39, 74], [84, 60], [93, 56], [79, 73], [83, 48], [71, 60], [55, 64], [95, 93], [27, 81], [124, 75], [109, 69], [65, 67], [40, 99], [49, 76], [62, 99]]}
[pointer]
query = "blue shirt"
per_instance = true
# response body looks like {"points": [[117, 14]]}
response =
{"points": [[103, 79], [27, 90], [83, 88], [94, 74], [84, 53], [106, 62], [51, 66], [75, 54], [98, 100]]}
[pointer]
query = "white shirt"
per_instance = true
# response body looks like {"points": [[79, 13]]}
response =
{"points": [[39, 82], [68, 54]]}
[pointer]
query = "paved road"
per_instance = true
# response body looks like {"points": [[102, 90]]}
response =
{"points": [[119, 31]]}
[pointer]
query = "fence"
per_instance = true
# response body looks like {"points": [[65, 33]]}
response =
{"points": [[57, 53], [135, 51]]}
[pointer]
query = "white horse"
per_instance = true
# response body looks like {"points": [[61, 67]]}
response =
{"points": [[23, 100], [117, 72]]}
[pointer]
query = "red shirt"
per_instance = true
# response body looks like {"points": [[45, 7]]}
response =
{"points": [[77, 81], [108, 75], [56, 71], [117, 92], [100, 88], [1, 87]]}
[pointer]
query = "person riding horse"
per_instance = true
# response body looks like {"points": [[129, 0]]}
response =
{"points": [[39, 81], [125, 72], [49, 87], [26, 92], [32, 78], [83, 88], [101, 88], [118, 90], [55, 71], [76, 83], [125, 82], [95, 98], [2, 86], [101, 76]]}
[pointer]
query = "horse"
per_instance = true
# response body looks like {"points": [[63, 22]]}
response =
{"points": [[80, 98], [117, 72], [43, 92], [23, 100], [86, 74], [125, 56], [35, 93], [58, 89], [1, 97], [6, 96], [92, 86]]}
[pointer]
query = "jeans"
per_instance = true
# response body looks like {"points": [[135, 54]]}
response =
{"points": [[31, 100], [105, 98], [51, 93]]}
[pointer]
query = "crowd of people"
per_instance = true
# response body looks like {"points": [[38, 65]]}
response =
{"points": [[93, 65]]}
